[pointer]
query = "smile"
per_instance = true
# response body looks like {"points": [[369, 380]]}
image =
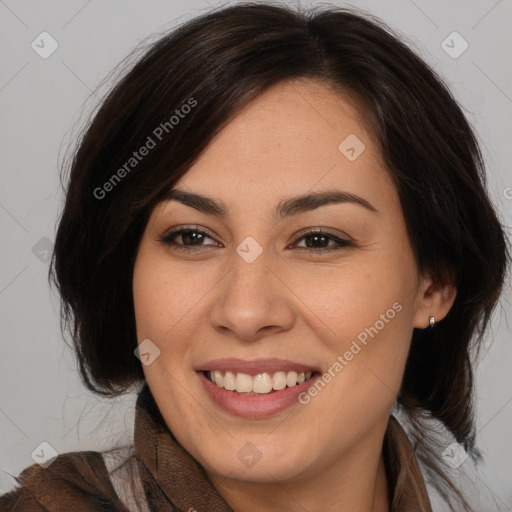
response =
{"points": [[262, 383], [255, 388]]}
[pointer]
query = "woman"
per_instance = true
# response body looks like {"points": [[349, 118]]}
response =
{"points": [[276, 225]]}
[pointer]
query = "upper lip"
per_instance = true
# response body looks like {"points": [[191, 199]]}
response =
{"points": [[255, 366]]}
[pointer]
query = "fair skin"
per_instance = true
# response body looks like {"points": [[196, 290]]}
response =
{"points": [[290, 304]]}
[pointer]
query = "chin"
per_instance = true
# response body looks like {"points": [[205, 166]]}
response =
{"points": [[257, 462]]}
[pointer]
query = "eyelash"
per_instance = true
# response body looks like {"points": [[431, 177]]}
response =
{"points": [[168, 239]]}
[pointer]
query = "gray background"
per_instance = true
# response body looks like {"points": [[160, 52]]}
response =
{"points": [[41, 100]]}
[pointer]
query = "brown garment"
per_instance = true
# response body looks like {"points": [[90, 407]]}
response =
{"points": [[172, 480]]}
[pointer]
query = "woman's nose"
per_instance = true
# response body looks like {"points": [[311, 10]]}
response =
{"points": [[252, 301]]}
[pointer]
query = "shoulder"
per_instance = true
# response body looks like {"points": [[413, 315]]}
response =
{"points": [[73, 481]]}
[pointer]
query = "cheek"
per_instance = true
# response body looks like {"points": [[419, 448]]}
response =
{"points": [[364, 313], [164, 295], [345, 299]]}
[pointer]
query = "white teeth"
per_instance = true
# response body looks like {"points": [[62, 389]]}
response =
{"points": [[261, 383], [243, 383], [217, 378], [291, 379], [279, 381], [229, 381]]}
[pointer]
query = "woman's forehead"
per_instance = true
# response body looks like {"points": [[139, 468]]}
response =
{"points": [[293, 137]]}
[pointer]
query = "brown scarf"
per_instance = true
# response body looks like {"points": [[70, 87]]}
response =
{"points": [[172, 479]]}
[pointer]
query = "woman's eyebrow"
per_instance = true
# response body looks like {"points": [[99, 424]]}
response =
{"points": [[285, 208]]}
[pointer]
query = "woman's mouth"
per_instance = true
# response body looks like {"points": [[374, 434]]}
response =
{"points": [[257, 388]]}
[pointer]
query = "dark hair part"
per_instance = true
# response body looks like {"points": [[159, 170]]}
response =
{"points": [[223, 60]]}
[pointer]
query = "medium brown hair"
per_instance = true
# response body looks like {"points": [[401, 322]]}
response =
{"points": [[223, 60]]}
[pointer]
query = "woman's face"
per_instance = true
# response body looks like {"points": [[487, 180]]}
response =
{"points": [[255, 300]]}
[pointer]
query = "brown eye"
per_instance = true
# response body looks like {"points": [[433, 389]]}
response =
{"points": [[318, 241], [191, 239]]}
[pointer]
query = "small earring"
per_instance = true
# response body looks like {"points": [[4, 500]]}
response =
{"points": [[432, 321]]}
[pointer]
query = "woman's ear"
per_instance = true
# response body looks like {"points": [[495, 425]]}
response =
{"points": [[435, 298]]}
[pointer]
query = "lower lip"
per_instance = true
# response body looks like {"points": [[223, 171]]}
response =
{"points": [[254, 406]]}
